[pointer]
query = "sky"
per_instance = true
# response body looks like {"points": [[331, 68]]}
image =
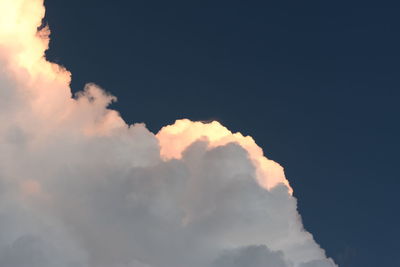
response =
{"points": [[314, 84]]}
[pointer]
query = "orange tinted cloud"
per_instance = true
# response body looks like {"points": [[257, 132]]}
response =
{"points": [[174, 139]]}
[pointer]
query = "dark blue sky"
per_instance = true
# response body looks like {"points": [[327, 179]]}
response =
{"points": [[316, 83]]}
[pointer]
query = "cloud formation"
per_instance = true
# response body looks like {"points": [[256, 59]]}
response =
{"points": [[81, 188]]}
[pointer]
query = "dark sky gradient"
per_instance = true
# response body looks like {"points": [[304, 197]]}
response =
{"points": [[315, 83]]}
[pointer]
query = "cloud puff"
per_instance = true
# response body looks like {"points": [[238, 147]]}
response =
{"points": [[81, 188], [251, 256]]}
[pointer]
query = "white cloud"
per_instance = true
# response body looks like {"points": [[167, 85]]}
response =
{"points": [[81, 188]]}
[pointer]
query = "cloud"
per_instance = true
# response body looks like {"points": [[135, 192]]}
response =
{"points": [[81, 188], [251, 256]]}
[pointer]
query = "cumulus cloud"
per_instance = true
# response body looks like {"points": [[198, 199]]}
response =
{"points": [[81, 188]]}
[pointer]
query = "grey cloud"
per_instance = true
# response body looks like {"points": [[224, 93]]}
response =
{"points": [[251, 256]]}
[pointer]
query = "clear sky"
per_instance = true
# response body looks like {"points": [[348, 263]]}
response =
{"points": [[316, 83]]}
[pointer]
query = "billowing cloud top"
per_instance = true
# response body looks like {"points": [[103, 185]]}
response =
{"points": [[81, 188]]}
